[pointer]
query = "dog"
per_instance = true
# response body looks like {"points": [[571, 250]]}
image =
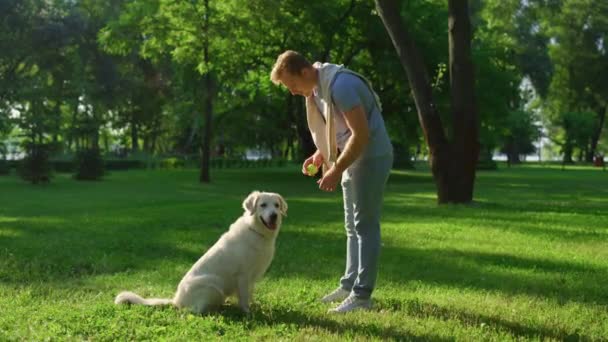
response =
{"points": [[233, 264]]}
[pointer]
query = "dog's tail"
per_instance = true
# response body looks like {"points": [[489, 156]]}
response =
{"points": [[127, 297]]}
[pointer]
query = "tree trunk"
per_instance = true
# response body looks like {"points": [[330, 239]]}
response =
{"points": [[288, 147], [512, 153], [57, 126], [453, 165], [134, 135], [154, 134], [568, 151], [206, 148], [106, 142], [94, 129], [464, 106], [71, 135], [429, 119], [601, 115], [95, 138]]}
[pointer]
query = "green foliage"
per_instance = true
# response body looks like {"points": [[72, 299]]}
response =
{"points": [[497, 74], [577, 94], [487, 165], [124, 164], [403, 157], [91, 74], [171, 163], [89, 164], [519, 134]]}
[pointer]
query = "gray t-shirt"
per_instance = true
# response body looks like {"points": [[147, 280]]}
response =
{"points": [[348, 91]]}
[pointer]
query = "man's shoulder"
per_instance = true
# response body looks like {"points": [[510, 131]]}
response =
{"points": [[345, 77]]}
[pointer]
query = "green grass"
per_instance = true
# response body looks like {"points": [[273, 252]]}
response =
{"points": [[528, 261]]}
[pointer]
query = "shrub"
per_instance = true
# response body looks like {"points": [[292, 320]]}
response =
{"points": [[171, 163], [4, 167], [89, 164], [35, 167], [124, 164], [63, 165]]}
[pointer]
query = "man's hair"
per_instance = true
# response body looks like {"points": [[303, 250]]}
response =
{"points": [[290, 61]]}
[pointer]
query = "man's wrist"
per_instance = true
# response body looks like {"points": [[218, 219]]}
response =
{"points": [[338, 167]]}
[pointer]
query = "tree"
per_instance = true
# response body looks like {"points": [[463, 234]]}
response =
{"points": [[518, 135], [578, 33], [453, 163], [183, 30]]}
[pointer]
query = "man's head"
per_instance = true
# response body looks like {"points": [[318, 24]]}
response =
{"points": [[295, 72]]}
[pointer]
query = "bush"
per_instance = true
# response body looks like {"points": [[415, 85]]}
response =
{"points": [[281, 162], [36, 167], [486, 163], [402, 157], [125, 164], [171, 163], [89, 165], [4, 167], [63, 165]]}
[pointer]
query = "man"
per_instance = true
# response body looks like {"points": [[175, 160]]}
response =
{"points": [[344, 114]]}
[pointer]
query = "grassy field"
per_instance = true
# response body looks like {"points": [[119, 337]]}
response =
{"points": [[528, 261]]}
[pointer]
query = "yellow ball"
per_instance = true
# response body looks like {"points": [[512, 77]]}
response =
{"points": [[312, 169]]}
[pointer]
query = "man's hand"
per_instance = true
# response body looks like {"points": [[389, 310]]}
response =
{"points": [[316, 159], [330, 180]]}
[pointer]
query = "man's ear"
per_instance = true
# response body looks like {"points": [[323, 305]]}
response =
{"points": [[306, 73], [250, 202]]}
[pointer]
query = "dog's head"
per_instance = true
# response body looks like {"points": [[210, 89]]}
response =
{"points": [[267, 207]]}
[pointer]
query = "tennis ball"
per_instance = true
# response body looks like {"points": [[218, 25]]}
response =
{"points": [[312, 169]]}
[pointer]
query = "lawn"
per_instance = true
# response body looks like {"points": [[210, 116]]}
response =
{"points": [[529, 260]]}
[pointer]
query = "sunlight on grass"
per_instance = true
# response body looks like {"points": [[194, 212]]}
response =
{"points": [[8, 232], [4, 219], [527, 261]]}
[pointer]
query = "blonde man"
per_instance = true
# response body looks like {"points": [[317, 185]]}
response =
{"points": [[344, 114]]}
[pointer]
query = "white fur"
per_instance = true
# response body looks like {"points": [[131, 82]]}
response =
{"points": [[230, 267]]}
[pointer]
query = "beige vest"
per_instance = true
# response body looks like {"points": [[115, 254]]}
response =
{"points": [[324, 133]]}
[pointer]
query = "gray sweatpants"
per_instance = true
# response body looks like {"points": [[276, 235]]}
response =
{"points": [[363, 186]]}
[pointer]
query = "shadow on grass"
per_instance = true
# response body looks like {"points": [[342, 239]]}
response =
{"points": [[282, 315], [55, 252], [48, 251], [553, 226], [430, 310], [509, 274], [35, 251]]}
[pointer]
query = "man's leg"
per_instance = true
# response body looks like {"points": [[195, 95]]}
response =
{"points": [[368, 183], [352, 244]]}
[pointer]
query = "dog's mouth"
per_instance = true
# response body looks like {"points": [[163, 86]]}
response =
{"points": [[270, 225]]}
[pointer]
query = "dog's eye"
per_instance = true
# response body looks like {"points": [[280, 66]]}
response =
{"points": [[263, 205], [276, 205]]}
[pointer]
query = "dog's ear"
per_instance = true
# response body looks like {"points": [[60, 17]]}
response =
{"points": [[250, 202], [283, 205]]}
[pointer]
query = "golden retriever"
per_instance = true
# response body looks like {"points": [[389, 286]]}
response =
{"points": [[233, 264]]}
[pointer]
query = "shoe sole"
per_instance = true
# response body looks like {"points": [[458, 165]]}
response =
{"points": [[333, 311]]}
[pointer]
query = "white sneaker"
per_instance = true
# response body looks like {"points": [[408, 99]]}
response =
{"points": [[352, 303], [336, 295]]}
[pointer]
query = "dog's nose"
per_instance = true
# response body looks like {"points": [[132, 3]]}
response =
{"points": [[273, 217]]}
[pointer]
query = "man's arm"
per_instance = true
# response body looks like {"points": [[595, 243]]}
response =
{"points": [[356, 120]]}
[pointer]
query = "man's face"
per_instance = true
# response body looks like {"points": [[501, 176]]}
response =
{"points": [[302, 84]]}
